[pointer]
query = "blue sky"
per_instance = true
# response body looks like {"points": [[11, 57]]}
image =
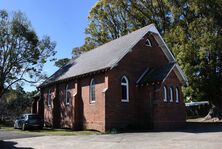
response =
{"points": [[64, 21]]}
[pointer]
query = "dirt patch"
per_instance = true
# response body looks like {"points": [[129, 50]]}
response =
{"points": [[204, 120]]}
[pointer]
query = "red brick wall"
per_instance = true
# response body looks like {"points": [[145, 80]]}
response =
{"points": [[63, 114], [48, 110], [80, 113], [120, 114], [169, 114], [67, 111], [93, 113], [108, 111]]}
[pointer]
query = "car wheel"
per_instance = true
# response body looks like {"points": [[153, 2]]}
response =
{"points": [[23, 127]]}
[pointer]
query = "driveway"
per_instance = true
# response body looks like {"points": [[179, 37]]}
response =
{"points": [[194, 137], [5, 135]]}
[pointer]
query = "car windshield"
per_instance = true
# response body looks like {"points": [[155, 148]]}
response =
{"points": [[34, 117]]}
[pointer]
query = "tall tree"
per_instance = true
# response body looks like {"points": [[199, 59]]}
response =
{"points": [[193, 30], [111, 19], [196, 39], [22, 53], [15, 102]]}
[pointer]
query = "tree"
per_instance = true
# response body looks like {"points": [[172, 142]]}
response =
{"points": [[111, 19], [192, 29], [15, 102], [22, 53], [19, 102], [61, 62], [196, 42]]}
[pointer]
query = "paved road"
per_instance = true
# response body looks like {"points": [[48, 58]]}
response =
{"points": [[5, 135], [194, 137], [160, 140]]}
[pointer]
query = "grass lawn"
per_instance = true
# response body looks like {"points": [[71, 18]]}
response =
{"points": [[49, 131]]}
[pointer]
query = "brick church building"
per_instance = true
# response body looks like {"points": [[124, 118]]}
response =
{"points": [[130, 82]]}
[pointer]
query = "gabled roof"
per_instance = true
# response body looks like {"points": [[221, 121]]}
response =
{"points": [[159, 74], [156, 74], [37, 94], [106, 56]]}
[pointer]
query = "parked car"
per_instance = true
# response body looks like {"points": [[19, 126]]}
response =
{"points": [[29, 121], [197, 109]]}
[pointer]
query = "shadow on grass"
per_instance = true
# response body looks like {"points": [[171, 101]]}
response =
{"points": [[11, 145]]}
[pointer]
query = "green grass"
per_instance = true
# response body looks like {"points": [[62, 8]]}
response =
{"points": [[49, 131]]}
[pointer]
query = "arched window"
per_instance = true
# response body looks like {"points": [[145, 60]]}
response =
{"points": [[49, 98], [125, 89], [92, 97], [171, 94], [148, 43], [165, 94], [177, 95], [67, 95]]}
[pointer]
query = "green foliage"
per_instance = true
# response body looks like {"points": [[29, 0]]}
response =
{"points": [[111, 19], [192, 29], [61, 62], [15, 102], [196, 42], [22, 53]]}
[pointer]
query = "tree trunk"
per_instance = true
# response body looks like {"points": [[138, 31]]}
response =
{"points": [[214, 112], [1, 92]]}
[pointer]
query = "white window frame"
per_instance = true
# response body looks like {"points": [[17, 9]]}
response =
{"points": [[49, 98], [165, 93], [177, 95], [66, 95], [148, 43], [171, 94], [92, 91], [127, 88]]}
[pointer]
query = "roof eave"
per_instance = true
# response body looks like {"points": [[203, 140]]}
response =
{"points": [[74, 77], [162, 43], [168, 73], [168, 53], [185, 80], [179, 73]]}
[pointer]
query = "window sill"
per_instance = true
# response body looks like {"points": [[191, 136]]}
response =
{"points": [[124, 100], [104, 90], [92, 102]]}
